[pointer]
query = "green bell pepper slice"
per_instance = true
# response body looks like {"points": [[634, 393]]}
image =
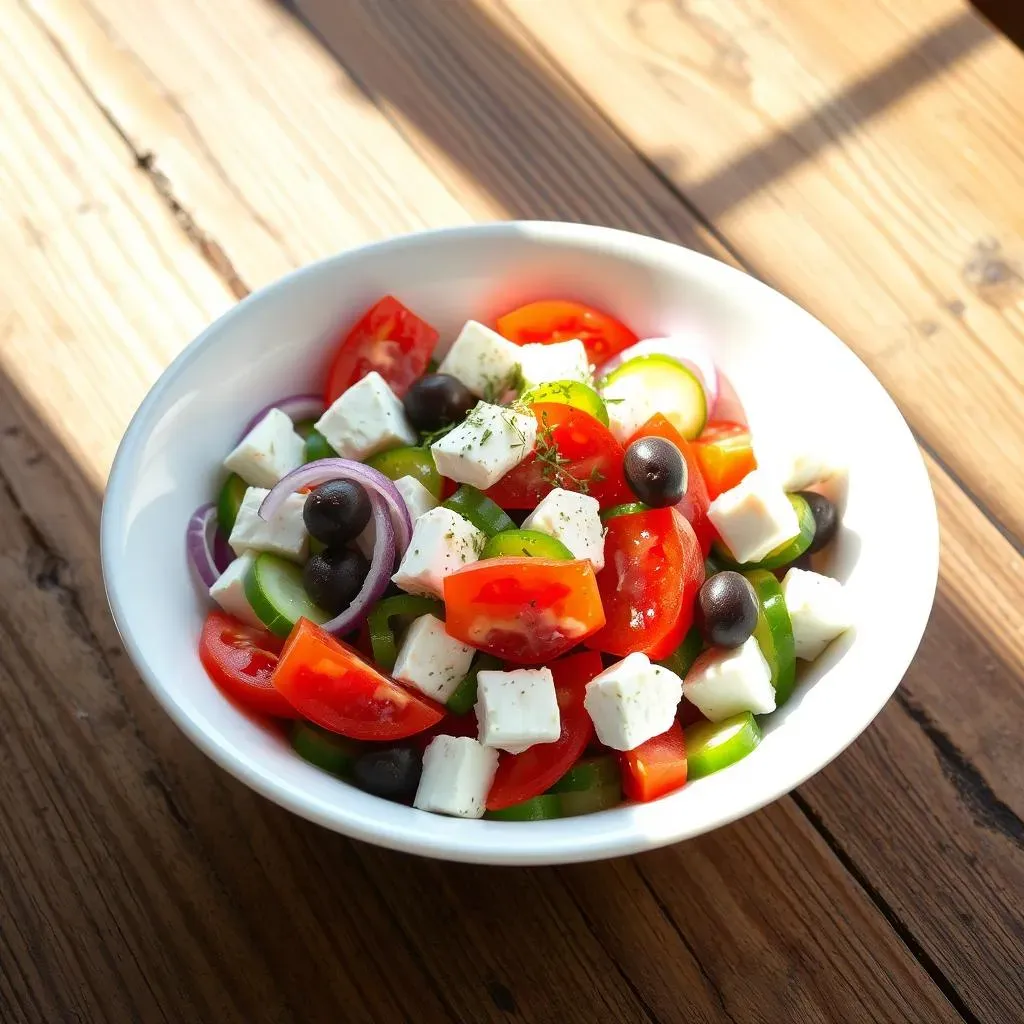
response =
{"points": [[483, 513], [525, 543], [327, 750], [589, 773], [381, 623], [712, 746], [680, 660], [628, 508], [462, 700], [774, 633], [539, 808], [317, 448]]}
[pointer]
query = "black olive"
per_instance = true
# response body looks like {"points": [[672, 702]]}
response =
{"points": [[728, 609], [826, 519], [436, 400], [336, 512], [334, 577], [656, 471], [392, 773]]}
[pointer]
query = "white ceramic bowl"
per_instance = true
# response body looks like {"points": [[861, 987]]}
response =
{"points": [[791, 371]]}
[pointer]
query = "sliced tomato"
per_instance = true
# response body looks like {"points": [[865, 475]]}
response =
{"points": [[450, 725], [331, 685], [656, 767], [653, 569], [523, 610], [725, 455], [241, 659], [694, 505], [551, 320], [388, 338], [526, 775], [575, 452]]}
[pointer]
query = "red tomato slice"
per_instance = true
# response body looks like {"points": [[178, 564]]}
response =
{"points": [[694, 505], [725, 456], [524, 610], [331, 685], [656, 767], [551, 320], [653, 569], [241, 659], [526, 775], [388, 338], [450, 725], [575, 452]]}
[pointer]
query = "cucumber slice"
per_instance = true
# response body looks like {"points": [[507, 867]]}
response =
{"points": [[413, 461], [569, 392], [774, 633], [327, 750], [229, 501], [680, 660], [462, 700], [273, 586], [657, 383], [483, 513], [317, 448], [785, 553], [589, 801], [528, 543], [590, 773], [712, 746], [628, 509], [539, 808]]}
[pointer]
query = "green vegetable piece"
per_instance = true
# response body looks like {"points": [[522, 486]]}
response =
{"points": [[590, 773], [680, 660], [483, 513], [415, 462], [569, 392], [387, 617], [539, 808], [462, 700], [589, 801], [229, 501], [326, 750], [665, 384], [712, 567], [712, 746], [785, 553], [274, 589], [305, 428], [629, 508], [525, 543], [317, 447], [774, 633]]}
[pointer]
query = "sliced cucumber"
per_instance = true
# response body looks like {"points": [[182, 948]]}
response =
{"points": [[590, 773], [628, 509], [569, 392], [273, 586], [525, 543], [712, 746], [538, 809], [774, 633], [317, 448], [657, 383], [785, 553], [327, 750], [680, 660], [483, 513], [412, 461], [229, 501], [588, 801]]}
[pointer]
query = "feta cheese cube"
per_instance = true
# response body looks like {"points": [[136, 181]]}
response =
{"points": [[442, 541], [517, 709], [725, 681], [366, 419], [755, 517], [432, 661], [457, 775], [628, 411], [632, 702], [284, 534], [418, 500], [229, 590], [818, 608], [793, 460], [563, 360], [488, 443], [268, 452], [482, 359], [575, 520]]}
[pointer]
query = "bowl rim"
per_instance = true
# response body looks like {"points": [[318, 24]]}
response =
{"points": [[532, 846]]}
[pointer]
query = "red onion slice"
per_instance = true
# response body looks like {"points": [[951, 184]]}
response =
{"points": [[690, 351], [223, 556], [296, 407], [199, 539]]}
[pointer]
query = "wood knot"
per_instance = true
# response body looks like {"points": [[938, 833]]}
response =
{"points": [[994, 277]]}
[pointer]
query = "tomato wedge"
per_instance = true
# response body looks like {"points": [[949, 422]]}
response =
{"points": [[524, 610], [241, 659], [574, 451], [656, 767], [388, 338], [331, 685], [552, 320], [526, 775], [653, 569], [694, 505], [725, 455]]}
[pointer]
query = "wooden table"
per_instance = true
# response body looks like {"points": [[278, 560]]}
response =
{"points": [[159, 159]]}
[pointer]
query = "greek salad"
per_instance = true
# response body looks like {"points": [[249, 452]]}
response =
{"points": [[550, 573]]}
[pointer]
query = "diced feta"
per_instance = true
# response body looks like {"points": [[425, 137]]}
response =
{"points": [[725, 681], [368, 418], [431, 660], [517, 709], [418, 500], [482, 359], [442, 541], [284, 534], [632, 702], [575, 520], [793, 461], [755, 517], [818, 608], [628, 412], [268, 452], [457, 775], [488, 443], [229, 590], [563, 360]]}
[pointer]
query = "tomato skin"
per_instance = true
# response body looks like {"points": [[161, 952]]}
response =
{"points": [[656, 767], [653, 570], [331, 685], [388, 338], [588, 446], [519, 609], [725, 455], [526, 775], [241, 660], [551, 320]]}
